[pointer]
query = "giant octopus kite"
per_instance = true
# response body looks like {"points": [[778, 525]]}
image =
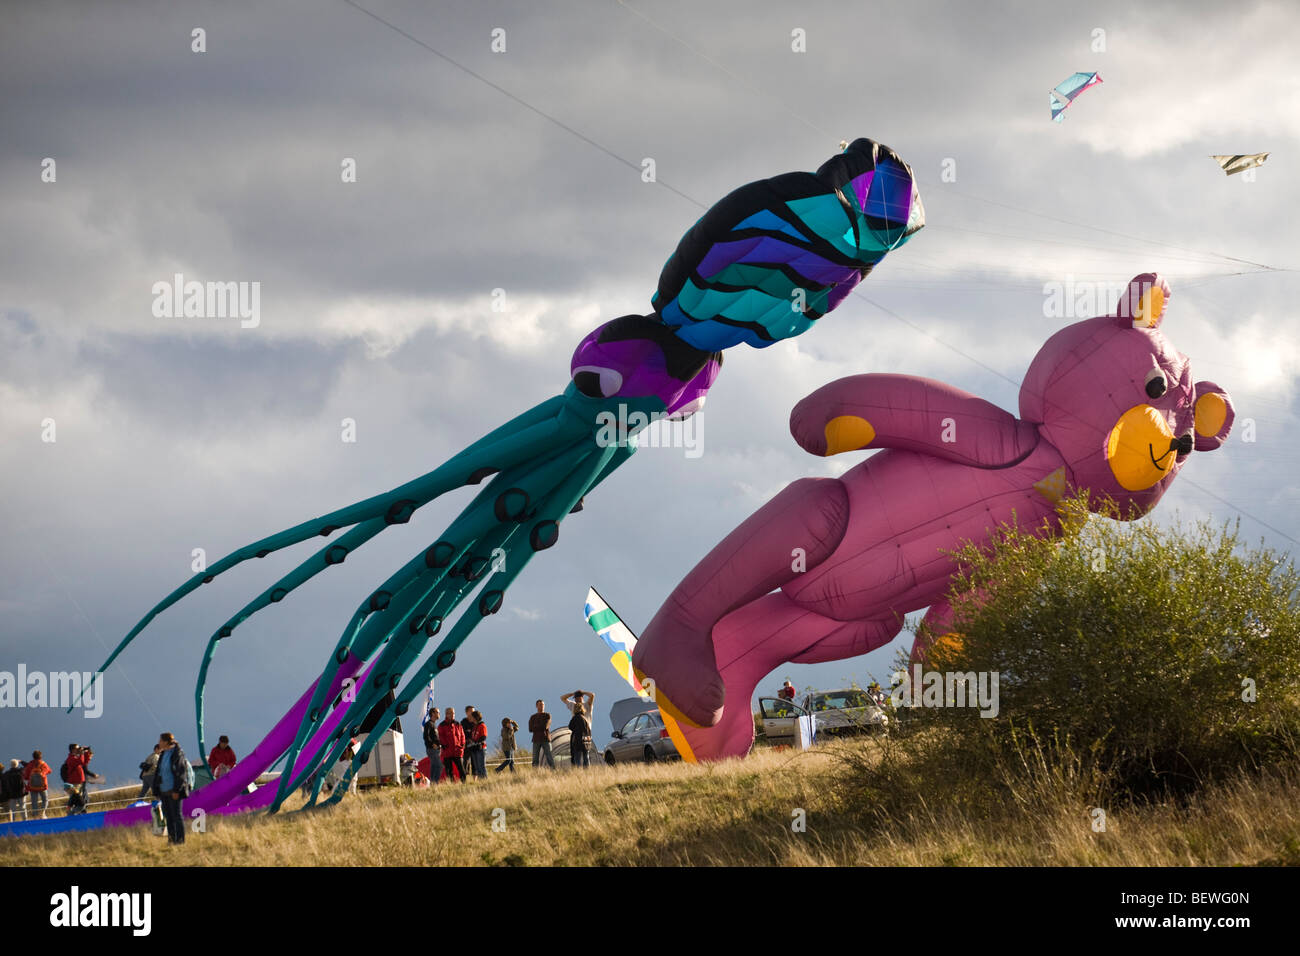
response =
{"points": [[762, 265], [1108, 405]]}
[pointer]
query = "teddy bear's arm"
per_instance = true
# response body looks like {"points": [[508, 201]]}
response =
{"points": [[913, 414]]}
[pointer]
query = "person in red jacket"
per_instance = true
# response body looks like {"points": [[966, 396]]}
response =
{"points": [[478, 739], [78, 757], [452, 737], [222, 758], [36, 778]]}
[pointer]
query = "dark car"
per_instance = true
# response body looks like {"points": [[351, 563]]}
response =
{"points": [[643, 737]]}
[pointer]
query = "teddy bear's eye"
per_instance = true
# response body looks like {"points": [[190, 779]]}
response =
{"points": [[1156, 384]]}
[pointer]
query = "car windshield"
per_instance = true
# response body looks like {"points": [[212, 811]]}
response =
{"points": [[841, 700]]}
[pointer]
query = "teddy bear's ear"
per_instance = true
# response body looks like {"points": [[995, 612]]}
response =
{"points": [[1142, 306], [1213, 411]]}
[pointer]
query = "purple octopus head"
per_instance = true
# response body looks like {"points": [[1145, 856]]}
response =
{"points": [[638, 356]]}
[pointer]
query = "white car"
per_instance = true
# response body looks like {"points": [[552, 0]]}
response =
{"points": [[779, 718], [848, 711]]}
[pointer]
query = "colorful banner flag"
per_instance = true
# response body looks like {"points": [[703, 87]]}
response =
{"points": [[609, 627], [618, 637]]}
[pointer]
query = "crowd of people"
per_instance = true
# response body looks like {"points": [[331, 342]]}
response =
{"points": [[28, 782], [165, 775], [457, 749]]}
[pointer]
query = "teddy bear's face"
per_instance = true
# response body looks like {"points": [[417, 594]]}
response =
{"points": [[1119, 403]]}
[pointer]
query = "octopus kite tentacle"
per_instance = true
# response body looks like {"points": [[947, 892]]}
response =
{"points": [[502, 494], [762, 265], [414, 622], [533, 532], [503, 504], [557, 505], [395, 507]]}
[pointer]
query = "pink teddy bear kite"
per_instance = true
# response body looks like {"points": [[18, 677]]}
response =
{"points": [[827, 569]]}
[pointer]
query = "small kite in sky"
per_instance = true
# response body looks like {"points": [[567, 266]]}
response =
{"points": [[1240, 161], [1064, 93]]}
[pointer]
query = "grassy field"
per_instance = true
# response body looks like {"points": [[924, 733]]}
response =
{"points": [[737, 813]]}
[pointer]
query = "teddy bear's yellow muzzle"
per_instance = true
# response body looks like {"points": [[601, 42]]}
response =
{"points": [[1141, 448]]}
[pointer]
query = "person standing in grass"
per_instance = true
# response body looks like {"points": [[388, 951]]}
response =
{"points": [[581, 704], [539, 725], [11, 789], [432, 747], [171, 785], [467, 725], [508, 730], [149, 767], [36, 778], [478, 739], [74, 776], [579, 732], [452, 738]]}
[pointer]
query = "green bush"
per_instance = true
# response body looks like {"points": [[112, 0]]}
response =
{"points": [[1127, 655]]}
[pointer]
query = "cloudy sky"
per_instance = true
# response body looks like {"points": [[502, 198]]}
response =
{"points": [[521, 171]]}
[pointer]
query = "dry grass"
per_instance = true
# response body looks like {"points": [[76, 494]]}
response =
{"points": [[736, 813]]}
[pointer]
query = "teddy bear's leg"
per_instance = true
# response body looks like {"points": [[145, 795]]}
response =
{"points": [[753, 641], [677, 648]]}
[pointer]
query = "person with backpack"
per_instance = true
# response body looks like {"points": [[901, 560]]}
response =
{"points": [[36, 776], [579, 735], [11, 789], [581, 704], [172, 783], [432, 747], [452, 738], [508, 730]]}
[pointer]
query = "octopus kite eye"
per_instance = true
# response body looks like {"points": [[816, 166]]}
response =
{"points": [[595, 381]]}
